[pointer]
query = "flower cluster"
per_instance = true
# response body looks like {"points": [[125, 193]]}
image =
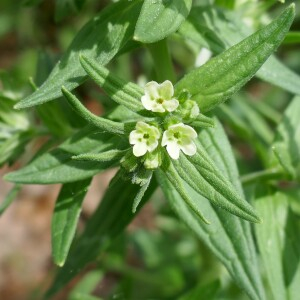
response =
{"points": [[175, 136]]}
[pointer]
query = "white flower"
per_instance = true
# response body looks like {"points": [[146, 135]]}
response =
{"points": [[158, 97], [144, 138], [179, 137]]}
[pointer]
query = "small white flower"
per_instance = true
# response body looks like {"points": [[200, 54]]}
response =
{"points": [[158, 97], [144, 138], [179, 137]]}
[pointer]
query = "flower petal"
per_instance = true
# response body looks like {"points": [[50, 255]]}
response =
{"points": [[189, 149], [134, 137], [141, 126], [166, 90], [147, 102], [139, 149], [170, 105], [151, 90], [165, 138], [152, 146], [157, 107], [189, 131], [173, 150]]}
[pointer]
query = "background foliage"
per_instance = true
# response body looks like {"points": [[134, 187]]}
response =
{"points": [[251, 154]]}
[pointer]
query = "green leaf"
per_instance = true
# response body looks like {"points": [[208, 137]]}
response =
{"points": [[52, 114], [286, 145], [124, 93], [65, 217], [14, 146], [292, 38], [109, 220], [203, 292], [101, 38], [57, 166], [160, 18], [203, 175], [177, 183], [101, 157], [102, 123], [9, 198], [278, 243], [139, 196], [253, 119], [218, 30], [228, 237], [9, 116], [86, 285], [222, 76]]}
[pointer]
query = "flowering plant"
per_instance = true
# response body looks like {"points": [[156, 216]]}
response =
{"points": [[164, 133]]}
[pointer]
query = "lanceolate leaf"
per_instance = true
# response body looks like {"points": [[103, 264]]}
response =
{"points": [[110, 219], [101, 38], [124, 93], [57, 166], [160, 18], [227, 236], [222, 76], [286, 146], [102, 123], [201, 173], [219, 30], [64, 221], [278, 242]]}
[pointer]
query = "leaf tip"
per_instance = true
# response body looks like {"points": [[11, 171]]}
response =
{"points": [[256, 219], [59, 263], [82, 58], [7, 177], [18, 106], [135, 38], [292, 6]]}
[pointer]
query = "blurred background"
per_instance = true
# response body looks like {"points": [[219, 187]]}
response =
{"points": [[160, 252]]}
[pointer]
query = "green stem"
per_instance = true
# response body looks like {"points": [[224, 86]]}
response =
{"points": [[162, 61], [268, 174]]}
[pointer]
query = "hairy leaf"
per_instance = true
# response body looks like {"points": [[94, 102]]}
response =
{"points": [[278, 242], [160, 18], [225, 74], [102, 123], [57, 166], [228, 237], [101, 38], [218, 30], [124, 93], [65, 217], [286, 146], [109, 220], [203, 175]]}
